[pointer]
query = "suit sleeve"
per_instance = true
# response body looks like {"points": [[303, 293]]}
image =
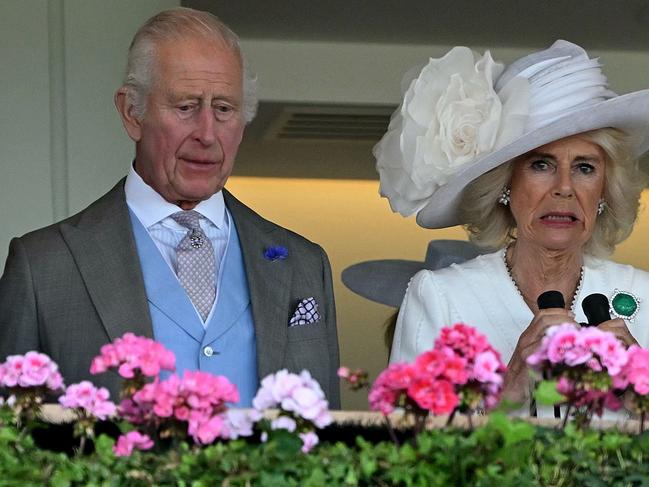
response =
{"points": [[18, 314], [332, 333]]}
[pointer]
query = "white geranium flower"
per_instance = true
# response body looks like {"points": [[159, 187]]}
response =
{"points": [[449, 117]]}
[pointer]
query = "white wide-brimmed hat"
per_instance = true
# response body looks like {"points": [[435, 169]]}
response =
{"points": [[386, 281], [461, 117]]}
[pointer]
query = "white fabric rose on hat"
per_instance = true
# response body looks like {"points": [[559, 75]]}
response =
{"points": [[450, 116]]}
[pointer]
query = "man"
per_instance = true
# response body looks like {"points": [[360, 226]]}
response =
{"points": [[169, 253]]}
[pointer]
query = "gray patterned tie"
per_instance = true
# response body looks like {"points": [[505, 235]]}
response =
{"points": [[195, 267]]}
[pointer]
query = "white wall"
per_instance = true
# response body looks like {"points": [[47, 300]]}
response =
{"points": [[25, 175], [61, 141], [98, 34], [330, 72]]}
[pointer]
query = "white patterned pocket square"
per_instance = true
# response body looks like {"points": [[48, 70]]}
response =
{"points": [[305, 313]]}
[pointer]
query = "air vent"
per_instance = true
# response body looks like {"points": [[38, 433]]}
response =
{"points": [[330, 123]]}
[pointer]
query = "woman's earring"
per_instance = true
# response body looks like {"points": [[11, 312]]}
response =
{"points": [[601, 206], [504, 196]]}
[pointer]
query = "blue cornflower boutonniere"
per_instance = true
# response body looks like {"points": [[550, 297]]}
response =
{"points": [[275, 252]]}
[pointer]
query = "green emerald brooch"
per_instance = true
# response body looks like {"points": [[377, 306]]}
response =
{"points": [[624, 305]]}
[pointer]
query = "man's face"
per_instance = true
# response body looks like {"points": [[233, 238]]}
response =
{"points": [[189, 136]]}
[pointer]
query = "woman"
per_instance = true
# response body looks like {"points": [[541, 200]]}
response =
{"points": [[539, 159]]}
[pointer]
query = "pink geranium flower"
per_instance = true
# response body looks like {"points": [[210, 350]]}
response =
{"points": [[11, 370], [239, 422], [564, 347], [206, 429], [383, 398], [309, 441], [302, 404], [422, 391], [296, 394], [455, 368], [465, 340], [443, 399], [637, 371], [571, 346], [431, 362], [133, 440], [197, 399], [32, 370], [613, 354], [399, 376], [283, 423], [344, 372], [436, 396], [357, 379], [634, 380], [461, 371], [133, 354], [586, 363], [92, 401], [488, 368], [390, 387]]}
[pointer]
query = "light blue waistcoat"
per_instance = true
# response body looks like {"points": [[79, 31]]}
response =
{"points": [[226, 346]]}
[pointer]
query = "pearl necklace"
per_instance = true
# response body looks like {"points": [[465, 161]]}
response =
{"points": [[511, 278]]}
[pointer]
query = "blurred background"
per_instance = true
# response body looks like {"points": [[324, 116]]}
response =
{"points": [[329, 77]]}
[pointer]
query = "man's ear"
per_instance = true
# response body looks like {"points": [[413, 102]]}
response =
{"points": [[126, 111]]}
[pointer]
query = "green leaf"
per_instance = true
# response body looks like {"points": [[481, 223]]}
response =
{"points": [[104, 448], [368, 465], [288, 444], [62, 479], [614, 440], [316, 478], [512, 431], [546, 393]]}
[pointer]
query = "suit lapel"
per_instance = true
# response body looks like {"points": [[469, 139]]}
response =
{"points": [[268, 281], [233, 290], [103, 247]]}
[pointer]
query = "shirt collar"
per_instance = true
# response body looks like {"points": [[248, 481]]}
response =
{"points": [[150, 207]]}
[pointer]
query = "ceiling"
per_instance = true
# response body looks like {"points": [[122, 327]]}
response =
{"points": [[598, 24]]}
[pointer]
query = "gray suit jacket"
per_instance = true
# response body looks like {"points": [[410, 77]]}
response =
{"points": [[73, 286]]}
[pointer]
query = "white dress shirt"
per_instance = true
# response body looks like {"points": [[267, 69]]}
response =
{"points": [[154, 212]]}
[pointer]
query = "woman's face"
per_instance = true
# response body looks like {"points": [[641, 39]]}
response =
{"points": [[555, 190]]}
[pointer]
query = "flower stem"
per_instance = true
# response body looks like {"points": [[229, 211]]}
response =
{"points": [[451, 416], [420, 422], [642, 416], [393, 435], [82, 446], [565, 419]]}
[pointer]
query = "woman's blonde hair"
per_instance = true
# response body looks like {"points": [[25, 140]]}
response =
{"points": [[491, 224]]}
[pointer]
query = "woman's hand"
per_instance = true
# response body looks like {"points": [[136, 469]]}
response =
{"points": [[516, 387], [618, 327]]}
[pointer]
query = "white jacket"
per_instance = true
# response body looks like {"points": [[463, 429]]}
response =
{"points": [[481, 294]]}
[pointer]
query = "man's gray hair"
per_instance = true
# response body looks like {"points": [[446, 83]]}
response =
{"points": [[178, 24]]}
